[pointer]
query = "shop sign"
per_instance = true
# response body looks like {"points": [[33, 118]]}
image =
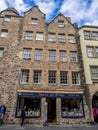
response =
{"points": [[49, 95]]}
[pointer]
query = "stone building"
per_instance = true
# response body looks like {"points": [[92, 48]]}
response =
{"points": [[89, 49], [40, 69]]}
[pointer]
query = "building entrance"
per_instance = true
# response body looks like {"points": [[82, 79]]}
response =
{"points": [[95, 107], [51, 110]]}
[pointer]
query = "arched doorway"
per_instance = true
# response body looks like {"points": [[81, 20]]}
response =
{"points": [[95, 107]]}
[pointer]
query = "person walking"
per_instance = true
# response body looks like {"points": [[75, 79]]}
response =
{"points": [[1, 114], [23, 115]]}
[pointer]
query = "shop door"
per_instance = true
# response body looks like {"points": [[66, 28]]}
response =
{"points": [[95, 107], [51, 110]]}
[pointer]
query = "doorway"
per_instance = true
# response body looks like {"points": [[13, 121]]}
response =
{"points": [[95, 107], [51, 112]]}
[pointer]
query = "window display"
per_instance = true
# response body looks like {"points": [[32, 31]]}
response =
{"points": [[72, 107], [33, 107]]}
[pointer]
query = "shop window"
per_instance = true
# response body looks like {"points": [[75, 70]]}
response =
{"points": [[72, 107], [94, 72], [60, 23], [34, 21], [87, 35], [33, 106]]}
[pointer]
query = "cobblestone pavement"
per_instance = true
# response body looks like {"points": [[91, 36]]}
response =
{"points": [[30, 127]]}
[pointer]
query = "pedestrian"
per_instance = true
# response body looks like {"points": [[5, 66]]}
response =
{"points": [[2, 110], [23, 115]]}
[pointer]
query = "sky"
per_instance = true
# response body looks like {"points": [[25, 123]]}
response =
{"points": [[83, 12]]}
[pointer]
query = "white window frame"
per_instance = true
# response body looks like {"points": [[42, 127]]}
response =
{"points": [[4, 33], [71, 39], [37, 76], [34, 21], [61, 38], [51, 37], [24, 79], [38, 54], [73, 57], [61, 24], [64, 77], [87, 35], [63, 56], [1, 52], [28, 35], [90, 51], [39, 36], [27, 53], [52, 77], [75, 78], [94, 72], [52, 55], [95, 35], [7, 18]]}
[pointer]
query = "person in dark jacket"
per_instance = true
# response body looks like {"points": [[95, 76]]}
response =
{"points": [[2, 110], [23, 115]]}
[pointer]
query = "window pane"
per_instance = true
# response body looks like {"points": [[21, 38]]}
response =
{"points": [[7, 18], [96, 51], [51, 37], [39, 36], [73, 56], [52, 55], [90, 51], [75, 78], [61, 38], [38, 54], [27, 53], [4, 33], [37, 77], [1, 52], [63, 77], [29, 35], [71, 39], [52, 77], [24, 76], [63, 56]]}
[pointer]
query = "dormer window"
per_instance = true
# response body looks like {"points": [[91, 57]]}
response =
{"points": [[61, 24], [7, 18], [34, 21]]}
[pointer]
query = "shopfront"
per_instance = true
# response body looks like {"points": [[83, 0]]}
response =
{"points": [[70, 105]]}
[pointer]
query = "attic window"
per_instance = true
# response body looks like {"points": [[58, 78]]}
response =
{"points": [[7, 18], [34, 21], [61, 24]]}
